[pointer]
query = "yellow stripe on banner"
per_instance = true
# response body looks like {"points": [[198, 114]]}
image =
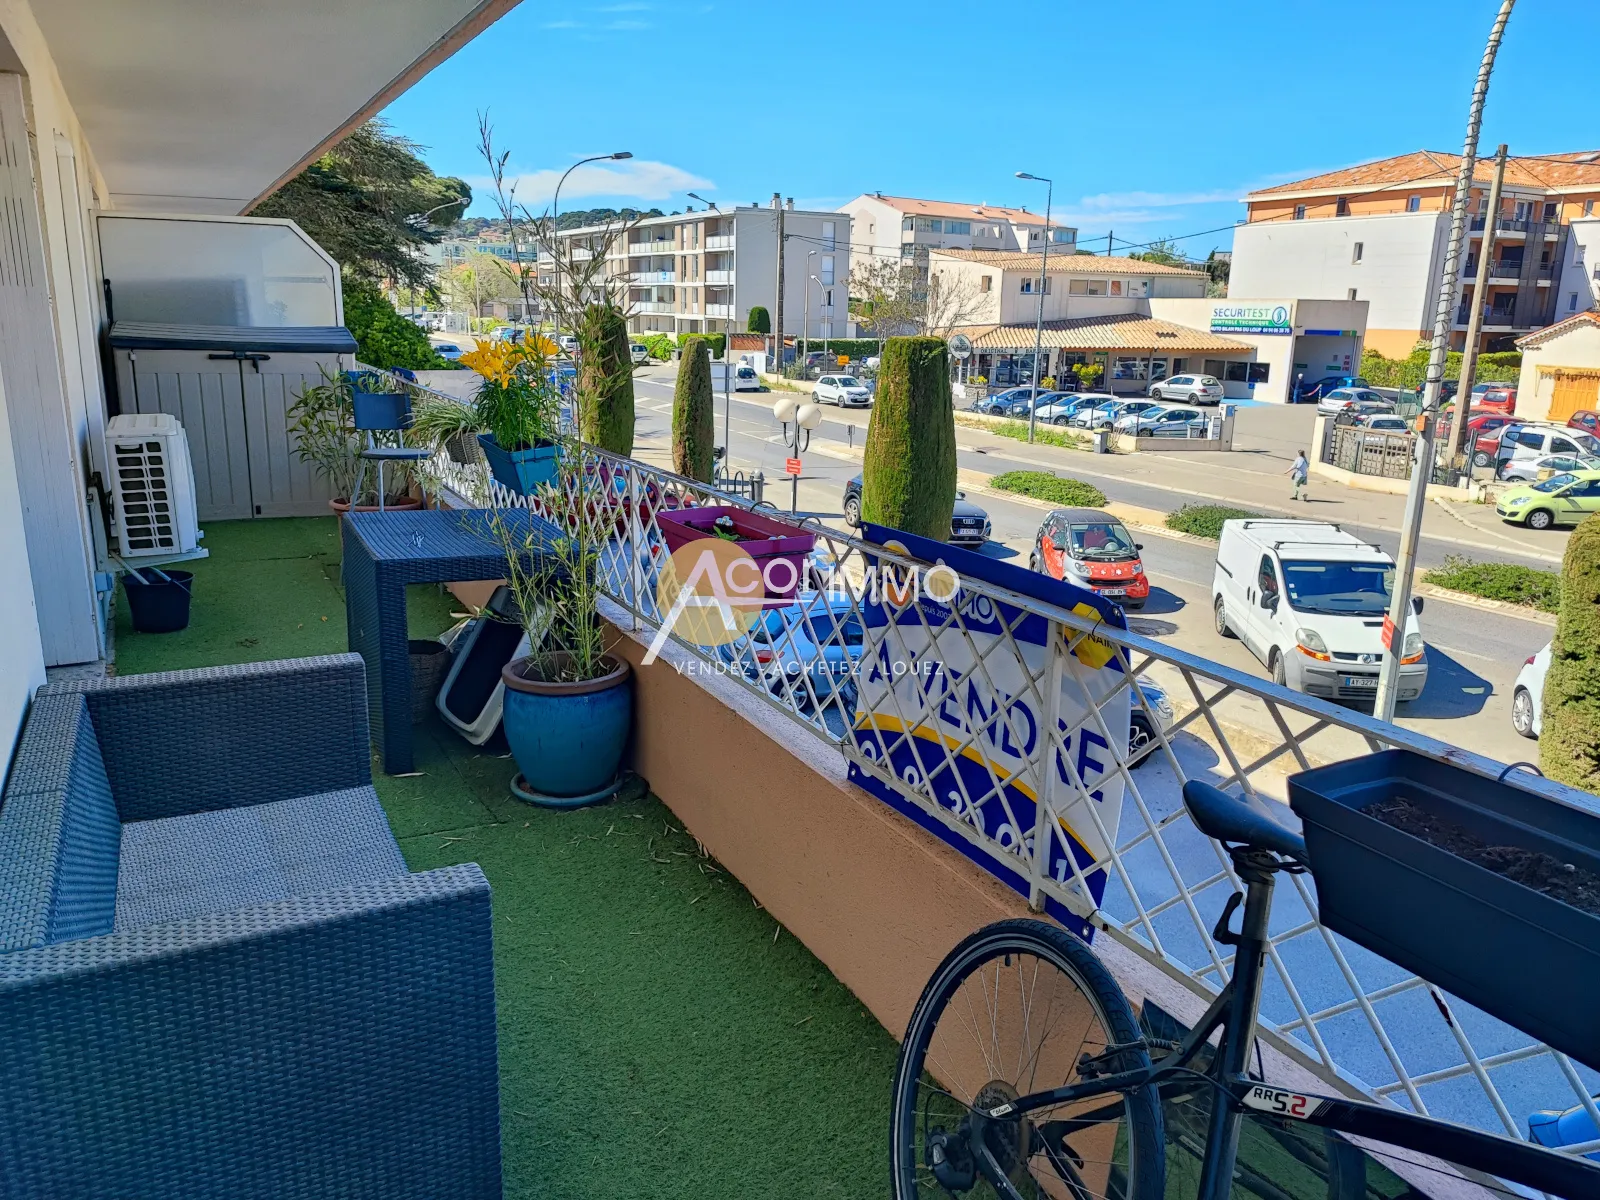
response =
{"points": [[925, 734]]}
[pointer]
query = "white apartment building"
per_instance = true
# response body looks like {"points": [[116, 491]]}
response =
{"points": [[1141, 322], [1379, 232], [703, 271], [890, 227]]}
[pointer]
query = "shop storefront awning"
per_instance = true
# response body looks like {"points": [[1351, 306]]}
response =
{"points": [[1116, 332]]}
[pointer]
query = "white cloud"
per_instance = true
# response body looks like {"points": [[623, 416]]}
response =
{"points": [[629, 25], [632, 179], [1141, 200]]}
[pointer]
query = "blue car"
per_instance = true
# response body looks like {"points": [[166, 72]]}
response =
{"points": [[816, 641], [1001, 403]]}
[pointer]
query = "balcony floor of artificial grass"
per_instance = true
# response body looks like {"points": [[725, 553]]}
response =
{"points": [[656, 1039]]}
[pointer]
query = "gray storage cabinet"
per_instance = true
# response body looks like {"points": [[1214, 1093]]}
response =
{"points": [[231, 389]]}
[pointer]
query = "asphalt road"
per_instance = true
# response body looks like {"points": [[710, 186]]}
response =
{"points": [[1474, 653]]}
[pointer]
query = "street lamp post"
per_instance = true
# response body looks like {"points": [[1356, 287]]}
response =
{"points": [[805, 417], [805, 311], [827, 322], [1044, 263], [1422, 472], [555, 214], [727, 365]]}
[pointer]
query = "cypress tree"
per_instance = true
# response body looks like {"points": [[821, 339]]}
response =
{"points": [[760, 320], [694, 428], [605, 380], [1569, 742], [908, 475]]}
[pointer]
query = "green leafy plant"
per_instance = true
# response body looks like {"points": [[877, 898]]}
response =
{"points": [[556, 581], [605, 380], [659, 345], [759, 321], [1042, 485], [1088, 373], [1569, 744], [322, 425], [1510, 582], [1043, 435], [383, 337], [908, 473], [1205, 520], [693, 419]]}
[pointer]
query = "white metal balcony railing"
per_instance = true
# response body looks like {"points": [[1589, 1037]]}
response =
{"points": [[664, 246], [719, 310], [654, 306], [653, 277], [1361, 1024], [719, 276], [720, 241]]}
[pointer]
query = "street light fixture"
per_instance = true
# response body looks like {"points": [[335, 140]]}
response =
{"points": [[555, 213], [1044, 262], [804, 417]]}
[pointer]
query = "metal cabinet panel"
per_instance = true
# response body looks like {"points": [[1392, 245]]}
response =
{"points": [[207, 397]]}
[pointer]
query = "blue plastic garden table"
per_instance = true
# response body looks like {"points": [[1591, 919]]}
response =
{"points": [[383, 553]]}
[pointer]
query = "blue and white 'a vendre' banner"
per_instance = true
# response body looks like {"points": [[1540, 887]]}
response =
{"points": [[950, 710]]}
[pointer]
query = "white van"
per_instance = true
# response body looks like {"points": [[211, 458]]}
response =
{"points": [[1309, 600], [1524, 443]]}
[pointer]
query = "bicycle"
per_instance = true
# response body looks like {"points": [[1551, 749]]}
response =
{"points": [[969, 1118]]}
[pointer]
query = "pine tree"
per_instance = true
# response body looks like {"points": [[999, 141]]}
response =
{"points": [[908, 476], [693, 425], [605, 380]]}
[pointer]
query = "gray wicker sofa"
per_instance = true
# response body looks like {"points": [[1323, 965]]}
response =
{"points": [[217, 976]]}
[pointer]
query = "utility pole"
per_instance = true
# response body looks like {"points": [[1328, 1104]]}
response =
{"points": [[1110, 235], [777, 307], [805, 313], [1469, 349], [1417, 494], [1038, 332]]}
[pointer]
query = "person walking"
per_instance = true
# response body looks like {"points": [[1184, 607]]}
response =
{"points": [[1299, 475]]}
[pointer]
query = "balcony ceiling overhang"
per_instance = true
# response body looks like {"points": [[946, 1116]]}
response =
{"points": [[208, 105]]}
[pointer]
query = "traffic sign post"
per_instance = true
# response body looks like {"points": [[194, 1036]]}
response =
{"points": [[791, 467]]}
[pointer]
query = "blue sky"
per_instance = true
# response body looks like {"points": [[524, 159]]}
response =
{"points": [[1153, 116]]}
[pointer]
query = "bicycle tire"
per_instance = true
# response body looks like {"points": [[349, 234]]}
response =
{"points": [[1146, 1165]]}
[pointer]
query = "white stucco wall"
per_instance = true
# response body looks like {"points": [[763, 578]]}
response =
{"points": [[1578, 289], [1578, 347], [21, 654], [1401, 256]]}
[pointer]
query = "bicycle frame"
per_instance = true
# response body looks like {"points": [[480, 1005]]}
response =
{"points": [[1234, 1012]]}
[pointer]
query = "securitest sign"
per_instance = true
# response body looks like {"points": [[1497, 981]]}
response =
{"points": [[1251, 318]]}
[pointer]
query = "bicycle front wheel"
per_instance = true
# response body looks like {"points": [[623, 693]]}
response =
{"points": [[1014, 1009]]}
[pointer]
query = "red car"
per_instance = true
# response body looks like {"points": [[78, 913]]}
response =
{"points": [[1585, 419], [1092, 549], [1485, 431]]}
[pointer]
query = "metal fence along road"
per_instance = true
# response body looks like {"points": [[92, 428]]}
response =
{"points": [[1002, 722]]}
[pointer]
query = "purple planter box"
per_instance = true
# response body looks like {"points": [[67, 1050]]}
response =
{"points": [[764, 539]]}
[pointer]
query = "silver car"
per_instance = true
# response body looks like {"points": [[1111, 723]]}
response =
{"points": [[1160, 422], [1196, 389], [844, 390], [1336, 401]]}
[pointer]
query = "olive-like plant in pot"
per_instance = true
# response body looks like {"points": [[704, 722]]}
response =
{"points": [[568, 704], [322, 426]]}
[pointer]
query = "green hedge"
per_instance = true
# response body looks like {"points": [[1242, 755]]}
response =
{"points": [[1043, 435], [1205, 520], [855, 349], [1410, 372], [1042, 485], [658, 344], [383, 337], [1569, 744], [1499, 581]]}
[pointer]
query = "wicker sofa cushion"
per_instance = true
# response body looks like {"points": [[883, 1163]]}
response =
{"points": [[59, 832], [174, 868]]}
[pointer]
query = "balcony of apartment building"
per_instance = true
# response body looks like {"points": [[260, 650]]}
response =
{"points": [[653, 275], [729, 916], [719, 268]]}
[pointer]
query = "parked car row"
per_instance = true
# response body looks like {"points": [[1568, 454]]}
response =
{"points": [[969, 524]]}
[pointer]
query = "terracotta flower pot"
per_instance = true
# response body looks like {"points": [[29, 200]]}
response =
{"points": [[391, 504]]}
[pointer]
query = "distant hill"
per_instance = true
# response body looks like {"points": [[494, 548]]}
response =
{"points": [[481, 226]]}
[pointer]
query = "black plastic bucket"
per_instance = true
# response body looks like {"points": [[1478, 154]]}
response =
{"points": [[159, 605]]}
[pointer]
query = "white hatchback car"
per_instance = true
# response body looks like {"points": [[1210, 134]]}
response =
{"points": [[844, 390], [1336, 401], [639, 354], [1527, 696], [1196, 389], [1385, 423]]}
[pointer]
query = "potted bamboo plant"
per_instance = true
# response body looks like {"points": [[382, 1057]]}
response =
{"points": [[568, 704], [323, 428], [515, 414]]}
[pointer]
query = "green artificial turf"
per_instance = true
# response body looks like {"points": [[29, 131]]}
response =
{"points": [[656, 1038]]}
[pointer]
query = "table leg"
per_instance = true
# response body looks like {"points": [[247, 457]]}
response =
{"points": [[394, 733]]}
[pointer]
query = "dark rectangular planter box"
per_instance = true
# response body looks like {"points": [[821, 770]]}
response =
{"points": [[765, 540], [1525, 957], [521, 471]]}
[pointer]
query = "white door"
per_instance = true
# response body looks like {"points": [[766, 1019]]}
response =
{"points": [[46, 448], [280, 484], [206, 396]]}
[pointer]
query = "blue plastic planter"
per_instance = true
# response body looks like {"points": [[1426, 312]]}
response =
{"points": [[1514, 952], [521, 471], [568, 738]]}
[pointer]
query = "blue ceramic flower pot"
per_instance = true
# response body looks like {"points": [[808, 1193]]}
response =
{"points": [[568, 738], [521, 471]]}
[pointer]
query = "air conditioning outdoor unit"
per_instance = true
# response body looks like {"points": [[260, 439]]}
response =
{"points": [[152, 484]]}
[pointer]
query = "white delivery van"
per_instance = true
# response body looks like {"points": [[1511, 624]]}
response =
{"points": [[1309, 600]]}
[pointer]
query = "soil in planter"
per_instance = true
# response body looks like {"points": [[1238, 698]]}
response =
{"points": [[1563, 881]]}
